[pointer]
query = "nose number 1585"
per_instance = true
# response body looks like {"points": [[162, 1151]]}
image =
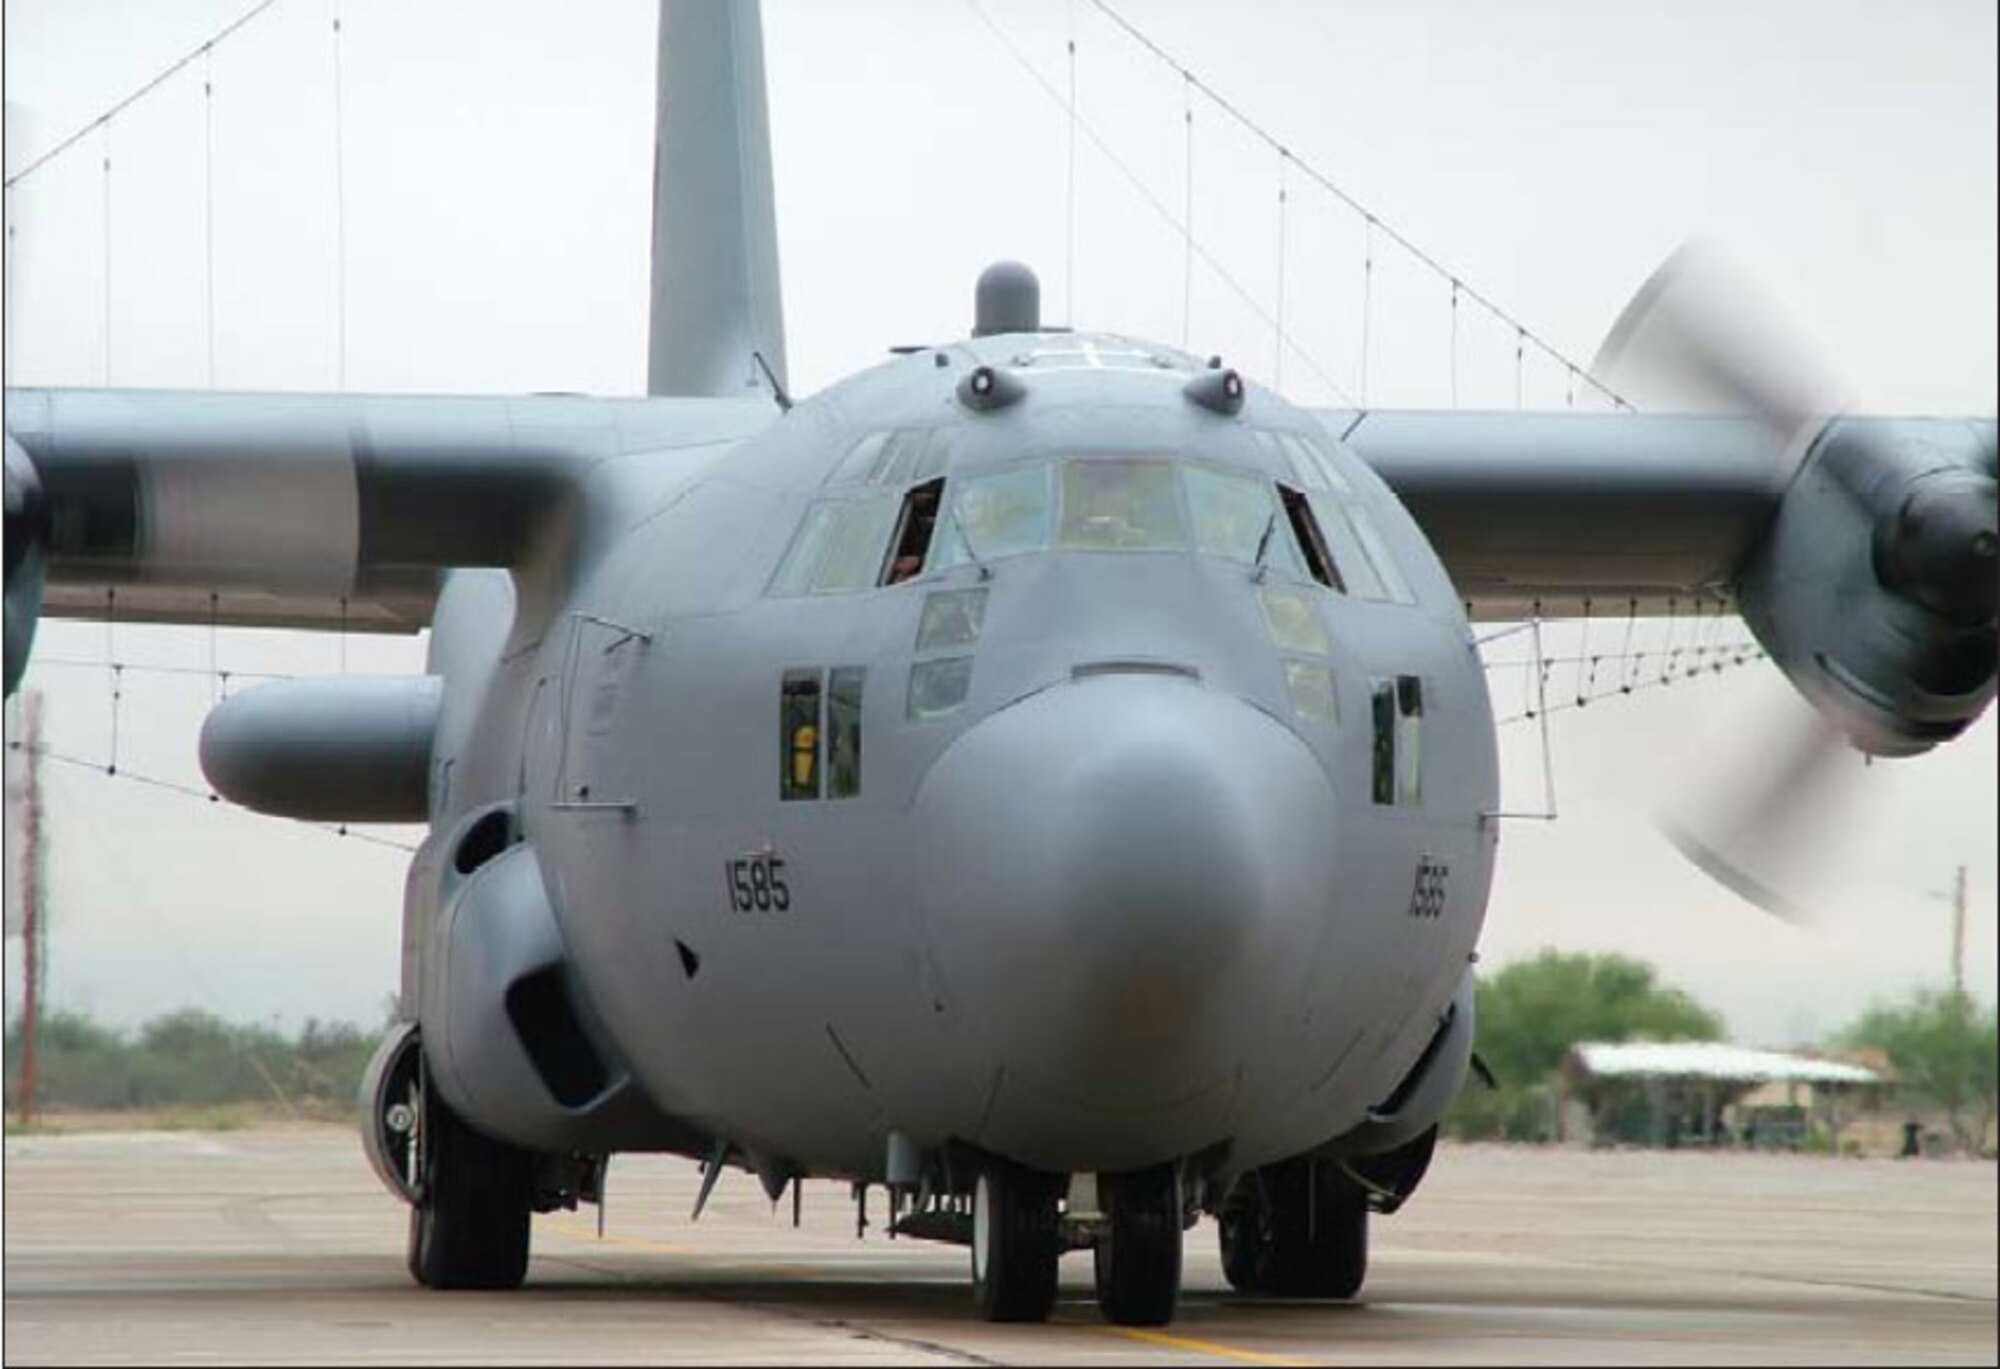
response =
{"points": [[757, 884]]}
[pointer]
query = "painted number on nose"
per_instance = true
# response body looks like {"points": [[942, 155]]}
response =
{"points": [[1427, 899], [757, 884]]}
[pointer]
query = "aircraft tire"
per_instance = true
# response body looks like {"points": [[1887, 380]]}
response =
{"points": [[1138, 1254], [1313, 1231], [1016, 1241], [471, 1230]]}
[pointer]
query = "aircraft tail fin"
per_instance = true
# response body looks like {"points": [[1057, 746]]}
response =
{"points": [[717, 324]]}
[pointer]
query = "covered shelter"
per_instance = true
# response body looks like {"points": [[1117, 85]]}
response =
{"points": [[1706, 1093]]}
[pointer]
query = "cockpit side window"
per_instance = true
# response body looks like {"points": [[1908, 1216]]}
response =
{"points": [[1312, 544], [1357, 552], [838, 547], [915, 528], [897, 456], [1236, 518]]}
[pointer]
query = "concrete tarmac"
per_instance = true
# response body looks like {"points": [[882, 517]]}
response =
{"points": [[276, 1246]]}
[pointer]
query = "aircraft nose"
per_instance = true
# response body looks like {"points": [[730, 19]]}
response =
{"points": [[1124, 878]]}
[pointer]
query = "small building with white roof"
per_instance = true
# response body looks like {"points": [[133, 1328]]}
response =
{"points": [[1705, 1093]]}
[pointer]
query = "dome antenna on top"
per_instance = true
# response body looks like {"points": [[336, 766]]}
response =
{"points": [[1008, 299]]}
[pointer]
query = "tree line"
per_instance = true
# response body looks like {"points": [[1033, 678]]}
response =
{"points": [[190, 1059], [1941, 1044]]}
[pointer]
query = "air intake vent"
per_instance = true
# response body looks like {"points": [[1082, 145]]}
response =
{"points": [[539, 1006]]}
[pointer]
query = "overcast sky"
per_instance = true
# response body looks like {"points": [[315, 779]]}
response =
{"points": [[496, 174]]}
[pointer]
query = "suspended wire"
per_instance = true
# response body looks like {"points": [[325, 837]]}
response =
{"points": [[1631, 624], [1454, 344], [1734, 650], [1367, 298], [1717, 668], [176, 787], [117, 676], [107, 255], [1069, 213], [1583, 687], [1326, 183], [145, 668], [1187, 217], [208, 197], [139, 94], [1153, 201], [1278, 324], [13, 284], [339, 209]]}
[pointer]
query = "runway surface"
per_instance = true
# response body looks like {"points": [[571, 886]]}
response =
{"points": [[277, 1246]]}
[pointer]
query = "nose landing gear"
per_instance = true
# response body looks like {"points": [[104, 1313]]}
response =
{"points": [[1019, 1231]]}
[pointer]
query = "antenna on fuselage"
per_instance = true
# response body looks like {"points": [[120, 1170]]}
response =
{"points": [[1007, 299]]}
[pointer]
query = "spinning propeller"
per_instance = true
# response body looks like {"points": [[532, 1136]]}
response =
{"points": [[1874, 591]]}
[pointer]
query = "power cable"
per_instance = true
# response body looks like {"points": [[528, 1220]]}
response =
{"points": [[121, 106], [1152, 200], [190, 791], [1326, 183]]}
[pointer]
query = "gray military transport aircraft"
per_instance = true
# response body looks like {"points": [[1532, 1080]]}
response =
{"points": [[1045, 776]]}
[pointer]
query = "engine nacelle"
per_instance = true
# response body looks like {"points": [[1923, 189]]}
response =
{"points": [[27, 560], [1875, 589]]}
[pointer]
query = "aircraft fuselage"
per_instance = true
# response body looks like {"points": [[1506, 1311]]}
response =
{"points": [[1129, 803]]}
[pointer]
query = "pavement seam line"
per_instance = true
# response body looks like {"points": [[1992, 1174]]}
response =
{"points": [[1205, 1347]]}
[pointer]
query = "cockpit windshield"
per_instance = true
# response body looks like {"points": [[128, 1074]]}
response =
{"points": [[1121, 506], [1097, 504], [1003, 514]]}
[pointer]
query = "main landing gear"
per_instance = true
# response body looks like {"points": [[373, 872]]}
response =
{"points": [[1016, 1240], [1138, 1253], [1298, 1229]]}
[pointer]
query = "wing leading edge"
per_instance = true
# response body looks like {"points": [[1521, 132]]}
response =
{"points": [[307, 511]]}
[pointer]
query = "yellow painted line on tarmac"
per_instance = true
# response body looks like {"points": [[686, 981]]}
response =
{"points": [[1202, 1347], [588, 1235]]}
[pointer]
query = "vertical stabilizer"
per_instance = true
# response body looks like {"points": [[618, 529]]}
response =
{"points": [[715, 305]]}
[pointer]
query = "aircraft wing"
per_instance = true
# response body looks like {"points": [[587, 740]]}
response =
{"points": [[305, 511], [1861, 551], [1560, 510]]}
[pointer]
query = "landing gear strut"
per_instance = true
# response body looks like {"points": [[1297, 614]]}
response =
{"points": [[1298, 1229], [1016, 1239], [1138, 1254], [469, 1227]]}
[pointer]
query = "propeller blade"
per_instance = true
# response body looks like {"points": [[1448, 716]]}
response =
{"points": [[1697, 338], [1759, 814]]}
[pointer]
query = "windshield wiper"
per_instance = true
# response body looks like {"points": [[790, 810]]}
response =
{"points": [[965, 540], [1258, 568]]}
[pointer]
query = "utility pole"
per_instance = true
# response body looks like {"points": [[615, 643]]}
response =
{"points": [[31, 894]]}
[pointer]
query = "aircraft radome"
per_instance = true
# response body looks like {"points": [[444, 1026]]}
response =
{"points": [[1047, 776]]}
